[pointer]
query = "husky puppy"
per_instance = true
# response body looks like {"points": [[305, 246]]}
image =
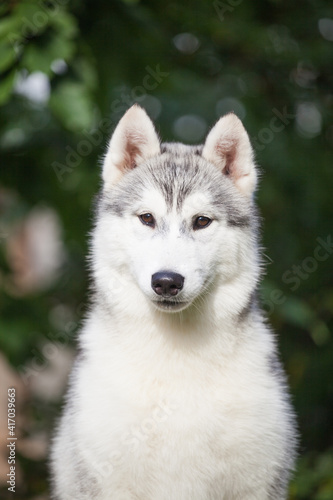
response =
{"points": [[177, 393]]}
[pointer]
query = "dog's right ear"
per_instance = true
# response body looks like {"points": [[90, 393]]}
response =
{"points": [[133, 142]]}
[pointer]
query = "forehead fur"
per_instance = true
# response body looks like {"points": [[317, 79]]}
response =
{"points": [[177, 173]]}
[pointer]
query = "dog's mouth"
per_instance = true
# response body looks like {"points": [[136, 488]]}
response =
{"points": [[170, 305]]}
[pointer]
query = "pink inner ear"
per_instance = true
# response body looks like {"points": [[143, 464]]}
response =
{"points": [[228, 147], [134, 149], [133, 141], [227, 153], [132, 153]]}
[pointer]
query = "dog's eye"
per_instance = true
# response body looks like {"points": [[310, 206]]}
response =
{"points": [[147, 219], [201, 222]]}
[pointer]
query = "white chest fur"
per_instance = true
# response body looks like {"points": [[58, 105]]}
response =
{"points": [[193, 425]]}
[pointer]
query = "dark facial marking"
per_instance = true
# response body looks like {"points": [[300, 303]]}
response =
{"points": [[236, 219]]}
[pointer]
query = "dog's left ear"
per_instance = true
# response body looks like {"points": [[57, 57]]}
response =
{"points": [[228, 147], [133, 141]]}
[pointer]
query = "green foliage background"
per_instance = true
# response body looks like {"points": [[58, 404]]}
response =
{"points": [[269, 57]]}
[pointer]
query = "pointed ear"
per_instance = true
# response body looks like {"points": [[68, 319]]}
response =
{"points": [[133, 141], [228, 147]]}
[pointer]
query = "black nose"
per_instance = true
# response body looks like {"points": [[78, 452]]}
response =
{"points": [[166, 283]]}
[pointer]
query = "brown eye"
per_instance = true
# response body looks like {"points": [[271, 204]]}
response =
{"points": [[147, 219], [201, 222]]}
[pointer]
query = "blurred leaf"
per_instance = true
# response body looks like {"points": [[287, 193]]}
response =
{"points": [[37, 58], [3, 9], [34, 15], [6, 86], [7, 56], [9, 27], [320, 332], [65, 24], [87, 72], [71, 103], [297, 312], [314, 478]]}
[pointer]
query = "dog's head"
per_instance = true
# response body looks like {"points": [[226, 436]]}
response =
{"points": [[174, 220]]}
